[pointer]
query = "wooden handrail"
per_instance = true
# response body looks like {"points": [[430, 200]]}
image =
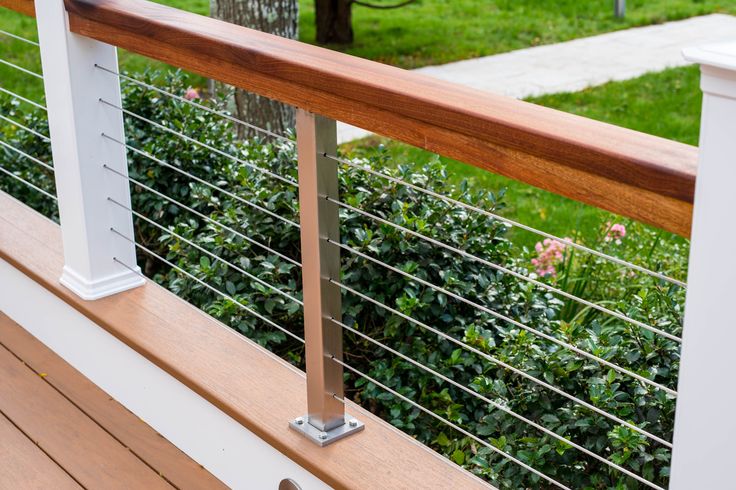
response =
{"points": [[631, 173], [25, 7]]}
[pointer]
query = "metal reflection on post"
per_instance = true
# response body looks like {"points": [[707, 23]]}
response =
{"points": [[619, 8], [326, 420]]}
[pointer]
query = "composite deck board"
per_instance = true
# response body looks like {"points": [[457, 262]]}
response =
{"points": [[88, 453], [127, 428], [84, 433], [24, 465]]}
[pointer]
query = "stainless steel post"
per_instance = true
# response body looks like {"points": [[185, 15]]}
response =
{"points": [[325, 421], [619, 8]]}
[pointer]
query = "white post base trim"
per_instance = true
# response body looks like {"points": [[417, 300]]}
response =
{"points": [[99, 288]]}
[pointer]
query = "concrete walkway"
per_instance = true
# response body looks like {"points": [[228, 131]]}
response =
{"points": [[580, 63]]}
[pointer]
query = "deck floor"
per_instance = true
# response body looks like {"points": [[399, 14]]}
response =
{"points": [[59, 430]]}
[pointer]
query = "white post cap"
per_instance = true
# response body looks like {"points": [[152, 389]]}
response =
{"points": [[718, 67], [719, 55]]}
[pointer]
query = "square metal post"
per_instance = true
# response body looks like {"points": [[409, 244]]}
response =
{"points": [[325, 421]]}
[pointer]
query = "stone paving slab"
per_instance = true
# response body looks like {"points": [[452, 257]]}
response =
{"points": [[574, 65]]}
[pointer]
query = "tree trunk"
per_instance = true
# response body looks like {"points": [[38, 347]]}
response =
{"points": [[334, 21], [279, 17]]}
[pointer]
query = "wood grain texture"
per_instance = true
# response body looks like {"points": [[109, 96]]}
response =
{"points": [[77, 444], [256, 388], [158, 453], [23, 465], [525, 142], [25, 7]]}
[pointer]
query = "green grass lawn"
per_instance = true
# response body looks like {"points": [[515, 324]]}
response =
{"points": [[665, 104], [438, 31]]}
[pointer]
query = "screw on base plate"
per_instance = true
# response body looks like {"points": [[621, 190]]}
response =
{"points": [[323, 438]]}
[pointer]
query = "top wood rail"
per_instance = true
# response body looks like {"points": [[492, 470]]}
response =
{"points": [[25, 7], [637, 175]]}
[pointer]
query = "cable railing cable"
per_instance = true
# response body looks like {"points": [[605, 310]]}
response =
{"points": [[510, 222], [498, 362], [26, 128], [448, 423], [508, 271], [201, 282], [26, 155], [19, 38], [33, 186], [20, 68], [20, 97], [197, 105], [202, 181], [204, 217], [207, 252], [571, 347], [500, 407], [203, 145]]}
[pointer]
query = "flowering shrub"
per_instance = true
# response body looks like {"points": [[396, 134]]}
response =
{"points": [[615, 233], [192, 94], [549, 254], [584, 275]]}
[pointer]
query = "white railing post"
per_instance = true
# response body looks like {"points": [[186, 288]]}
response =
{"points": [[77, 119], [705, 421]]}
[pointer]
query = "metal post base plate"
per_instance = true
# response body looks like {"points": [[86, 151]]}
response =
{"points": [[351, 426]]}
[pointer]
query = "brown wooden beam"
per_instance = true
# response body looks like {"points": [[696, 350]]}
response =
{"points": [[637, 175]]}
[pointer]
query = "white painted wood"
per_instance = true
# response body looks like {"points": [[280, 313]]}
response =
{"points": [[77, 120], [705, 420], [235, 455]]}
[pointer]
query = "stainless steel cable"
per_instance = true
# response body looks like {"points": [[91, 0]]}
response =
{"points": [[19, 38], [511, 222], [508, 271], [26, 128], [571, 347], [203, 145], [26, 155], [204, 217], [496, 361], [20, 68], [201, 282], [197, 105], [20, 97], [207, 252], [448, 423], [33, 186], [202, 181], [498, 406]]}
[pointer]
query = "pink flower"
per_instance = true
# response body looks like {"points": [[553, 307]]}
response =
{"points": [[549, 255], [192, 94], [615, 233]]}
